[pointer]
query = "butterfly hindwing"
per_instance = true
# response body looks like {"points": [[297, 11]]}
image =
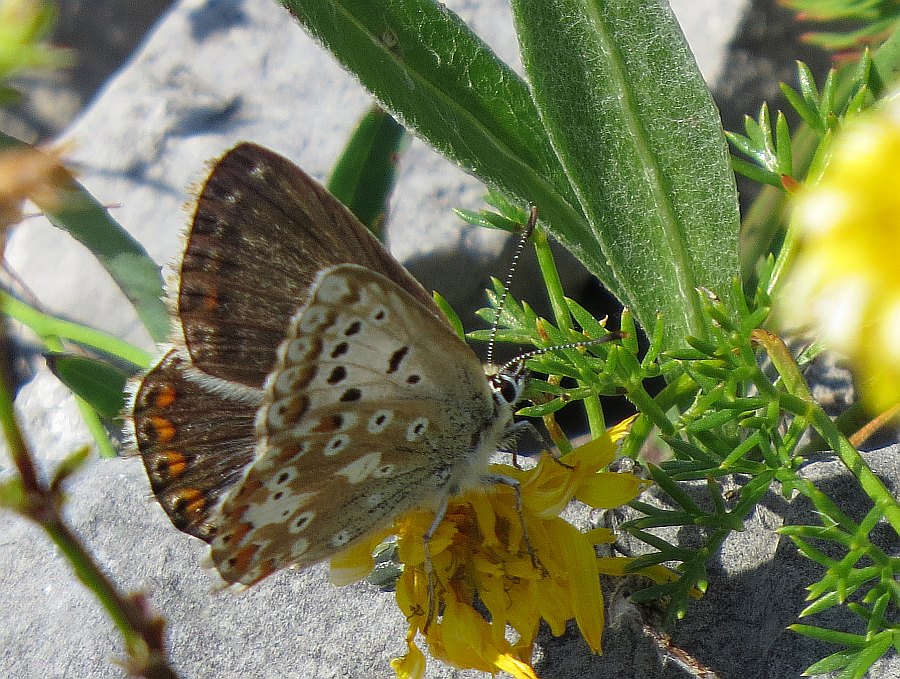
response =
{"points": [[195, 444]]}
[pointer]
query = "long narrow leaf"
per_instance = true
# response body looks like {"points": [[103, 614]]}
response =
{"points": [[641, 141], [136, 274], [363, 177], [440, 80], [99, 383]]}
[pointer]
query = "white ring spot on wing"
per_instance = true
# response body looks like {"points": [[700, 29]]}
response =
{"points": [[282, 478], [340, 538], [301, 522], [314, 317], [286, 380], [379, 421], [417, 429], [275, 414], [362, 468], [384, 471], [299, 547], [278, 506], [333, 289], [336, 445], [298, 349], [379, 315]]}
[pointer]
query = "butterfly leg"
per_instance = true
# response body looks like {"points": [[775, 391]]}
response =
{"points": [[516, 429], [517, 489], [429, 566]]}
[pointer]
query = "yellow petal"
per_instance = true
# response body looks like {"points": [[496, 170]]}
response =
{"points": [[550, 600], [584, 582], [467, 637], [619, 431], [517, 668], [412, 595], [495, 597], [354, 563], [485, 518], [593, 455], [606, 490], [601, 536], [618, 565], [548, 488], [412, 664]]}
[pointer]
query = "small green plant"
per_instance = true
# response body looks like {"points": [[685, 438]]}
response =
{"points": [[614, 137]]}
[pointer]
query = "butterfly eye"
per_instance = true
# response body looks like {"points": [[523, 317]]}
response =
{"points": [[509, 385]]}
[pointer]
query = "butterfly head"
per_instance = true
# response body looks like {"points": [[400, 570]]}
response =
{"points": [[507, 381]]}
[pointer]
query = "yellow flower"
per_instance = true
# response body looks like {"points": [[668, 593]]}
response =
{"points": [[521, 567], [845, 281]]}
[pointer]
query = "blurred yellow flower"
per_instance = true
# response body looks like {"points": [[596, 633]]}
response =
{"points": [[845, 282], [483, 561]]}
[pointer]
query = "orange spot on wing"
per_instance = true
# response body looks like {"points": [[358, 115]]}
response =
{"points": [[242, 530], [175, 463], [240, 561], [164, 396], [168, 464], [211, 300], [192, 500], [328, 424], [164, 429]]}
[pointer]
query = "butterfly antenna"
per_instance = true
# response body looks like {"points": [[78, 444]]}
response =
{"points": [[521, 358], [526, 234]]}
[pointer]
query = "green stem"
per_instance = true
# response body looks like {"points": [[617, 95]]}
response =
{"points": [[649, 408], [851, 458], [45, 325], [800, 402], [553, 283], [783, 260]]}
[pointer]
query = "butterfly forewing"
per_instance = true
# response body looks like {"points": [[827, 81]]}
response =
{"points": [[195, 444], [361, 421], [261, 232]]}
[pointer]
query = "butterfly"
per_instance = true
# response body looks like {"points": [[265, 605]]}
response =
{"points": [[314, 391]]}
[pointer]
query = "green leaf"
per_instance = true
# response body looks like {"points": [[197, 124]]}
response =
{"points": [[363, 177], [450, 313], [136, 274], [51, 328], [100, 384], [444, 84], [72, 463], [832, 663], [543, 409], [488, 220], [640, 138]]}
